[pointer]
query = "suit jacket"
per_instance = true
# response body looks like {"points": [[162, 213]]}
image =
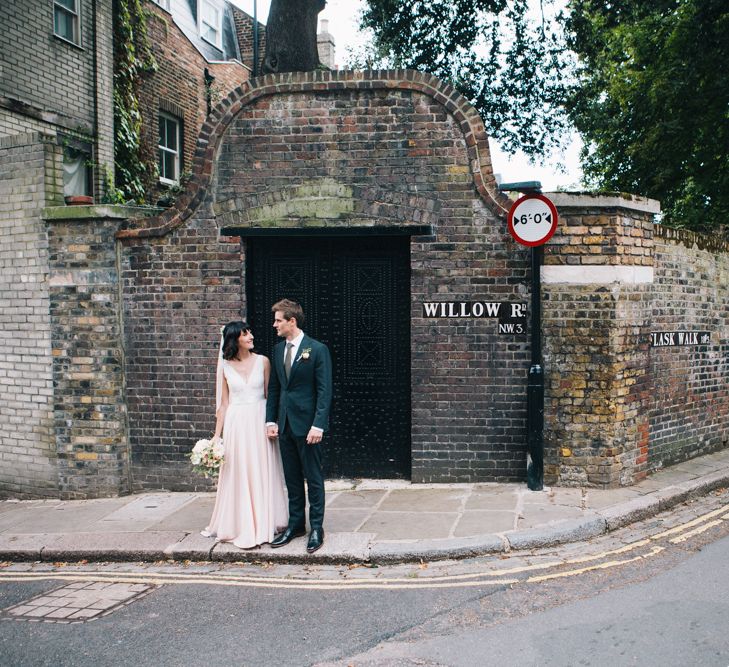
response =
{"points": [[304, 399]]}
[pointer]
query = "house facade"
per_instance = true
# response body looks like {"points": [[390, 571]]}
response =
{"points": [[57, 141], [203, 50]]}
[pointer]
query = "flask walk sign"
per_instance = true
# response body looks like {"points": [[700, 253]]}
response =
{"points": [[532, 219]]}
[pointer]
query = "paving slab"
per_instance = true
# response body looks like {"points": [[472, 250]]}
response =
{"points": [[360, 499], [541, 515], [75, 516], [663, 479], [551, 497], [484, 499], [344, 520], [425, 500], [601, 498], [12, 518], [146, 510], [410, 525], [565, 496], [193, 516], [481, 522]]}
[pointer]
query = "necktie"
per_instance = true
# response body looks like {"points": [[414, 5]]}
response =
{"points": [[287, 360]]}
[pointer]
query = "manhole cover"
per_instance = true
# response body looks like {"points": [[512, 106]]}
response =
{"points": [[77, 602]]}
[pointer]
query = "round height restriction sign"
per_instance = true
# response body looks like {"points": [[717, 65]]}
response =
{"points": [[532, 220]]}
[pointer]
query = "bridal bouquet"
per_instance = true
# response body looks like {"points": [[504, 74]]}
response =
{"points": [[207, 457]]}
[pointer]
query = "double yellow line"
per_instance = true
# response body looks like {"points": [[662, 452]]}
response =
{"points": [[540, 572]]}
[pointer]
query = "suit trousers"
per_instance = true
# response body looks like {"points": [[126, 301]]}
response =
{"points": [[302, 461]]}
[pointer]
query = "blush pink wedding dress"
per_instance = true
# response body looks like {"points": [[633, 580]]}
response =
{"points": [[251, 503]]}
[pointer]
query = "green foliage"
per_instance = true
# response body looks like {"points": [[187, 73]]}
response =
{"points": [[135, 166], [170, 193], [653, 102], [111, 194], [509, 66]]}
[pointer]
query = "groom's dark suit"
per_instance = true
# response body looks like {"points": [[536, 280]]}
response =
{"points": [[297, 404]]}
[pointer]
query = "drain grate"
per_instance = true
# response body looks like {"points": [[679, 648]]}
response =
{"points": [[77, 602]]}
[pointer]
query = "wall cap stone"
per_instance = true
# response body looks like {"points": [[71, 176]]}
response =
{"points": [[98, 212], [604, 200]]}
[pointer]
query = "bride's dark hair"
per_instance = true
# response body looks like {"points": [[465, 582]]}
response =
{"points": [[231, 333]]}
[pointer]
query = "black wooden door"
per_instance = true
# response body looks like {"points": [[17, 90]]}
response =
{"points": [[355, 292]]}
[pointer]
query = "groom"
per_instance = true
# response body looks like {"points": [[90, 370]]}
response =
{"points": [[297, 412]]}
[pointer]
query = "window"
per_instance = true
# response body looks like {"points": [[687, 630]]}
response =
{"points": [[165, 4], [66, 20], [169, 149], [211, 18], [76, 168]]}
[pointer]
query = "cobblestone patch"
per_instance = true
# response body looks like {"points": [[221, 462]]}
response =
{"points": [[77, 602]]}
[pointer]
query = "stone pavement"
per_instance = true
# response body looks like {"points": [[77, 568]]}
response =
{"points": [[367, 520]]}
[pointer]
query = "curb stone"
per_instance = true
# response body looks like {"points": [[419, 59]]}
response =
{"points": [[561, 532], [466, 547]]}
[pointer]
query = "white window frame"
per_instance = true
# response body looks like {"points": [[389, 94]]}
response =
{"points": [[76, 17], [177, 153], [165, 4], [218, 29]]}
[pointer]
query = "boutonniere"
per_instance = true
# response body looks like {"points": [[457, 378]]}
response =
{"points": [[305, 354]]}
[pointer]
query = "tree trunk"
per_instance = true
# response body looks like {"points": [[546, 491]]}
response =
{"points": [[291, 36]]}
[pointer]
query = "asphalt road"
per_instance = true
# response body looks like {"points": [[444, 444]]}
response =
{"points": [[654, 594]]}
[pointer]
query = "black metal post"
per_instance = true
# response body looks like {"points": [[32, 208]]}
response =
{"points": [[535, 389]]}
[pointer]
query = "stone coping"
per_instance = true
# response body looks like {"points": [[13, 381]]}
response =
{"points": [[604, 200], [98, 212]]}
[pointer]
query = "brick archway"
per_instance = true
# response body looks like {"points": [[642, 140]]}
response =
{"points": [[214, 128]]}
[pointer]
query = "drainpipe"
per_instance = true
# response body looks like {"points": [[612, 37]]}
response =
{"points": [[255, 38]]}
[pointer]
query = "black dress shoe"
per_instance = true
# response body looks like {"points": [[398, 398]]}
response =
{"points": [[286, 537], [316, 539]]}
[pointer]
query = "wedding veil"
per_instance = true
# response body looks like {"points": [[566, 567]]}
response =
{"points": [[219, 375]]}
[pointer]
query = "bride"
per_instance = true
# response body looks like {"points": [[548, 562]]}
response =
{"points": [[251, 504]]}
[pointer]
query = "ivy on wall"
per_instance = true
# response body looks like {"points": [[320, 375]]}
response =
{"points": [[135, 164]]}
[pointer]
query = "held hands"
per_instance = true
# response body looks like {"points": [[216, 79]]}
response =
{"points": [[313, 437]]}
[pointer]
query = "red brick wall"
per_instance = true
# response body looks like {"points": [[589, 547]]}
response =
{"points": [[689, 408], [596, 321], [244, 30], [178, 87], [413, 153]]}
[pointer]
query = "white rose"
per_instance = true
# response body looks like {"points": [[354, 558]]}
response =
{"points": [[201, 446], [218, 449]]}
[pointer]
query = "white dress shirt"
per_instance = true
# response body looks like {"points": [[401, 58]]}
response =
{"points": [[296, 342]]}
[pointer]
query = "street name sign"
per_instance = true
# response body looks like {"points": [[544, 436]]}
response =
{"points": [[512, 316], [532, 220], [680, 338]]}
